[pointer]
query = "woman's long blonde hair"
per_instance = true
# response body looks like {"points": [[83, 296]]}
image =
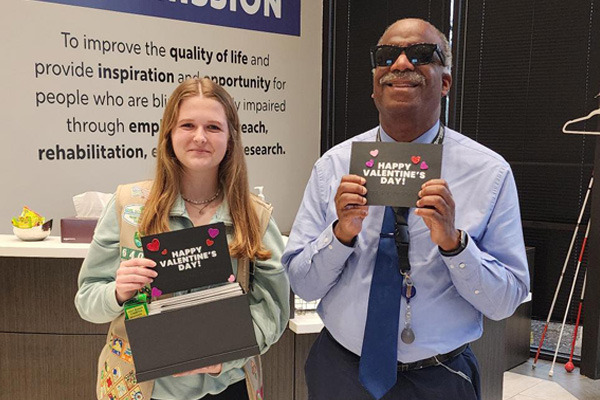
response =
{"points": [[233, 174]]}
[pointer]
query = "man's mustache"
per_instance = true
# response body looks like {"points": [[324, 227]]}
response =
{"points": [[413, 77]]}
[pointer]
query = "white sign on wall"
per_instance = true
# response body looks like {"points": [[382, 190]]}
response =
{"points": [[83, 90]]}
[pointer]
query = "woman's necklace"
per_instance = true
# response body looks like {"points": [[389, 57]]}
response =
{"points": [[200, 202], [203, 203]]}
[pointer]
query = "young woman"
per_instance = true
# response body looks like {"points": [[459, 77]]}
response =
{"points": [[200, 178]]}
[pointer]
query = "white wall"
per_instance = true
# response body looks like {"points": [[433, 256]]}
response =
{"points": [[32, 35]]}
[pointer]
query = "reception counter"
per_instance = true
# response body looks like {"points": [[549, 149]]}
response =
{"points": [[48, 351], [51, 247]]}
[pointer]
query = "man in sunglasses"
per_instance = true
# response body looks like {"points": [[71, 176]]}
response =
{"points": [[460, 248]]}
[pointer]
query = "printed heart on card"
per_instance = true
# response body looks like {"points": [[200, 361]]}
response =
{"points": [[209, 242], [156, 292], [164, 252], [424, 165], [370, 163], [415, 159], [213, 232], [374, 153], [154, 245]]}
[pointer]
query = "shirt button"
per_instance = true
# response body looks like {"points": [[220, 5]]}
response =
{"points": [[330, 247], [462, 265], [477, 292], [451, 266]]}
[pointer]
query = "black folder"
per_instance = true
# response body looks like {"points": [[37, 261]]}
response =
{"points": [[195, 336]]}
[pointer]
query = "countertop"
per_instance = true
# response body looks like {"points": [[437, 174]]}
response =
{"points": [[11, 246]]}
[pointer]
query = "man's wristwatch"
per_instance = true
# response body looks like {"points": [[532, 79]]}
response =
{"points": [[463, 241]]}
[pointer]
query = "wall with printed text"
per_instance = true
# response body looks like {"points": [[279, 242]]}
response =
{"points": [[84, 84]]}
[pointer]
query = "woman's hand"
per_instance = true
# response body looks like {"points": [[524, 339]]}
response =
{"points": [[211, 369], [133, 275]]}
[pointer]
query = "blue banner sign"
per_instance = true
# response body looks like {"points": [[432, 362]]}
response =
{"points": [[277, 16]]}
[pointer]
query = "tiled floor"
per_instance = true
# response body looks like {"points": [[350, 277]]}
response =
{"points": [[525, 383], [521, 387]]}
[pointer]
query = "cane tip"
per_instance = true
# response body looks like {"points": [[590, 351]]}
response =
{"points": [[569, 367]]}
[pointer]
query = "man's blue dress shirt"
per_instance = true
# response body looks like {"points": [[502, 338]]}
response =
{"points": [[489, 277]]}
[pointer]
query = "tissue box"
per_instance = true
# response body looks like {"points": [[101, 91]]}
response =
{"points": [[77, 229]]}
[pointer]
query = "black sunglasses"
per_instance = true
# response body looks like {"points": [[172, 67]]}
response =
{"points": [[384, 55]]}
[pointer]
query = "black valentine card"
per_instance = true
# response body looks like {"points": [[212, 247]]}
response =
{"points": [[395, 171], [188, 258]]}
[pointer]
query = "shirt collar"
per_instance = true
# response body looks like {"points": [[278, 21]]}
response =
{"points": [[222, 214], [178, 207], [426, 137]]}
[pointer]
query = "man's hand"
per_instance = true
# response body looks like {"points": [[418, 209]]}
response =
{"points": [[211, 369], [350, 207], [436, 207]]}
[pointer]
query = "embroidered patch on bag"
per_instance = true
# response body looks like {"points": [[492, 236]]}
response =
{"points": [[116, 346], [121, 389], [116, 374], [136, 239], [112, 395], [137, 191], [130, 380], [136, 393], [254, 369], [126, 354], [131, 213], [129, 253], [102, 390]]}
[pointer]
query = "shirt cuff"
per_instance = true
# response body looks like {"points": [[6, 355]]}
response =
{"points": [[466, 263], [328, 245], [111, 303], [228, 366]]}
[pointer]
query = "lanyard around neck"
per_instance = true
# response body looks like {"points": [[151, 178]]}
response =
{"points": [[401, 219]]}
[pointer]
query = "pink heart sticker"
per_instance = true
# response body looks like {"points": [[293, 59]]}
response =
{"points": [[231, 278], [370, 163], [156, 292], [374, 153], [213, 232], [424, 165]]}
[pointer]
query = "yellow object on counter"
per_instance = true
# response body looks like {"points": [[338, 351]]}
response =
{"points": [[28, 219]]}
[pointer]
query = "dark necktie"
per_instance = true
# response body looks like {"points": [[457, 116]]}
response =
{"points": [[379, 361]]}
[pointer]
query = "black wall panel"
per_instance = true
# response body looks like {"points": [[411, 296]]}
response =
{"points": [[521, 69], [524, 69], [352, 27]]}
